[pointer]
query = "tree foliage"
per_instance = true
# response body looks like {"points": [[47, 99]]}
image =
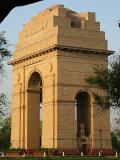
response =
{"points": [[116, 140], [5, 124], [4, 54], [3, 46], [5, 133], [3, 104], [107, 79]]}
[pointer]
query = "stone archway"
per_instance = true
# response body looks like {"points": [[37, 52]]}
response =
{"points": [[83, 113], [34, 104], [58, 58]]}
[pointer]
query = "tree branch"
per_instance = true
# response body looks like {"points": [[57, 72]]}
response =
{"points": [[7, 5]]}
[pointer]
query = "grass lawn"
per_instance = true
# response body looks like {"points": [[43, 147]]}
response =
{"points": [[64, 158]]}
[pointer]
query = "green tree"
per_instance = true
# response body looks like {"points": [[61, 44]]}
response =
{"points": [[116, 140], [4, 52], [107, 79], [4, 55], [5, 133], [6, 123]]}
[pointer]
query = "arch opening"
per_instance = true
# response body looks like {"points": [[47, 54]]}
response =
{"points": [[34, 107], [83, 119], [83, 104]]}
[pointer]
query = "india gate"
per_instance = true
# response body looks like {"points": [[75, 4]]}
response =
{"points": [[52, 105]]}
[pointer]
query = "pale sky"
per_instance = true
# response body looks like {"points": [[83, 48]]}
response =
{"points": [[107, 12]]}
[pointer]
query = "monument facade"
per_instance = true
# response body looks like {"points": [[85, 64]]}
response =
{"points": [[52, 105]]}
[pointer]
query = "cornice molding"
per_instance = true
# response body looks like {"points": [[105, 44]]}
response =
{"points": [[61, 48]]}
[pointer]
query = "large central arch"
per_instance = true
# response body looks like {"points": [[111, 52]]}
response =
{"points": [[34, 100]]}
